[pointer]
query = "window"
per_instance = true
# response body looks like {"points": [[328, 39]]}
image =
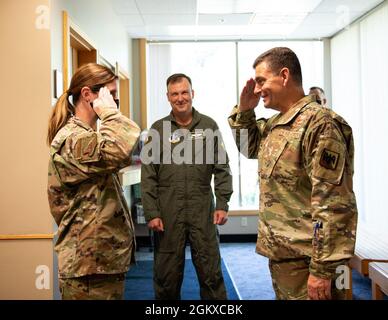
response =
{"points": [[218, 71], [310, 54]]}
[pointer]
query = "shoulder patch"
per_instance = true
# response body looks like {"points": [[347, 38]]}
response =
{"points": [[329, 159], [86, 148]]}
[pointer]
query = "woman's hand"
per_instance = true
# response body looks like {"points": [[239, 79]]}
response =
{"points": [[104, 100]]}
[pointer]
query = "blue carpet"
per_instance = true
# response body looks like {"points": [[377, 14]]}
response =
{"points": [[362, 287], [252, 278], [249, 271], [139, 283]]}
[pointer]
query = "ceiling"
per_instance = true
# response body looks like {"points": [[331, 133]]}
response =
{"points": [[238, 19]]}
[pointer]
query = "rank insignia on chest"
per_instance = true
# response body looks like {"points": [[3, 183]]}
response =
{"points": [[196, 135], [175, 137], [329, 159]]}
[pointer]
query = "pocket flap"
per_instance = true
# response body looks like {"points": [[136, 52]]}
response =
{"points": [[271, 157]]}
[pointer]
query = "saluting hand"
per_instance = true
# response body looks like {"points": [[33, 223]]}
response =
{"points": [[156, 224], [104, 100], [249, 99], [220, 217]]}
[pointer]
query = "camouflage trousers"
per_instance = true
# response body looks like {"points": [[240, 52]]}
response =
{"points": [[289, 280], [93, 287]]}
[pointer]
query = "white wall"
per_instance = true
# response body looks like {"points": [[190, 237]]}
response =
{"points": [[236, 225], [25, 106], [359, 89], [98, 21]]}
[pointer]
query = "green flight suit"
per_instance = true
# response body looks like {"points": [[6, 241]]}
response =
{"points": [[181, 195]]}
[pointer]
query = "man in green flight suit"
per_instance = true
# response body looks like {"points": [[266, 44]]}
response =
{"points": [[308, 211], [187, 150]]}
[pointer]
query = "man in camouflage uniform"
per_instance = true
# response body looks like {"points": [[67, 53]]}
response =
{"points": [[95, 244], [178, 198], [308, 213], [320, 95]]}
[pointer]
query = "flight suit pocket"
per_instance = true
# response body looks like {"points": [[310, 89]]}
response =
{"points": [[207, 198], [206, 207], [166, 198], [201, 173], [164, 241]]}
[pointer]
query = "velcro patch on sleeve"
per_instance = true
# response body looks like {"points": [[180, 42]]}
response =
{"points": [[329, 161], [86, 148]]}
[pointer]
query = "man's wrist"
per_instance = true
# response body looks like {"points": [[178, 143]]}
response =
{"points": [[152, 215], [243, 108], [220, 205]]}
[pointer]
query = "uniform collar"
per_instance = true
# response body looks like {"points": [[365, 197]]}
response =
{"points": [[294, 110], [81, 123], [194, 121]]}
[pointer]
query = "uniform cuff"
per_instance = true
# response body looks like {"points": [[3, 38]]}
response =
{"points": [[327, 270], [149, 215], [242, 117], [222, 205], [107, 112], [245, 116]]}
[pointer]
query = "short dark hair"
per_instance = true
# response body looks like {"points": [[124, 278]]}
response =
{"points": [[318, 88], [280, 57], [176, 77]]}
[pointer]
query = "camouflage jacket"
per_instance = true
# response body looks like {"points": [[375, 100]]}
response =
{"points": [[95, 229], [307, 204]]}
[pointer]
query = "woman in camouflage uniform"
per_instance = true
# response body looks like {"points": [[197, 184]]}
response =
{"points": [[95, 237]]}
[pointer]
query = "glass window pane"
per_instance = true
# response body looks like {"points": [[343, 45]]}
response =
{"points": [[212, 69], [310, 54]]}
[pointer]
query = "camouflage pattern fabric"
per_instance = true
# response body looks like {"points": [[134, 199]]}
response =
{"points": [[307, 204], [93, 287], [289, 280], [95, 229]]}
